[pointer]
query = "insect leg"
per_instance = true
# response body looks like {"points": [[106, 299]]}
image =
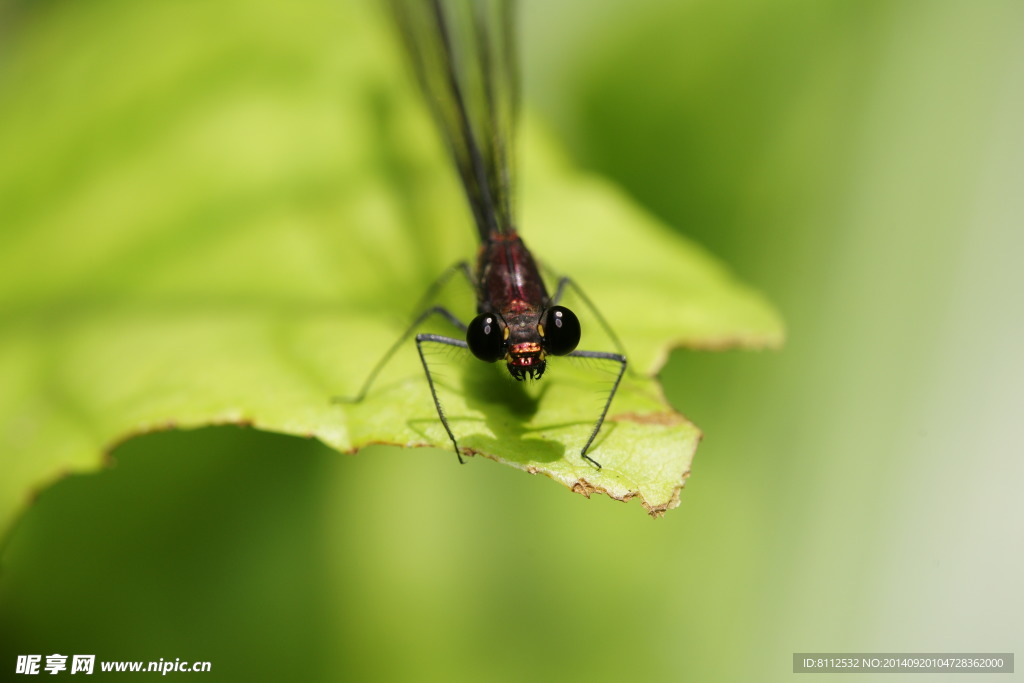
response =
{"points": [[433, 310], [431, 294], [449, 341], [602, 355], [442, 280], [564, 282]]}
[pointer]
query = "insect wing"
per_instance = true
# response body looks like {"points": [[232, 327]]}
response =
{"points": [[464, 56]]}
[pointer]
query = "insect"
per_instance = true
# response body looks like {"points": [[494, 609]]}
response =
{"points": [[463, 52]]}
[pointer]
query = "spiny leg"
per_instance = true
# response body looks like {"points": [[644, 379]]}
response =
{"points": [[563, 282], [442, 280], [433, 310], [448, 341], [432, 292], [602, 355]]}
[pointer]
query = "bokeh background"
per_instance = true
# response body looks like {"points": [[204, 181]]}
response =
{"points": [[859, 162]]}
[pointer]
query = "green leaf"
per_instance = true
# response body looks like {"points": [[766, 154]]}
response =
{"points": [[232, 228]]}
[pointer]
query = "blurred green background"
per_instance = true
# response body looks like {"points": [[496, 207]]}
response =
{"points": [[860, 162]]}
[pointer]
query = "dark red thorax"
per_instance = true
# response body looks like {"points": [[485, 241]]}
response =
{"points": [[510, 286]]}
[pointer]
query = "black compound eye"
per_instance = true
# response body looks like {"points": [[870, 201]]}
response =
{"points": [[561, 331], [486, 338]]}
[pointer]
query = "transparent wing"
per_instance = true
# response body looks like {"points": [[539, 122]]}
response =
{"points": [[464, 55]]}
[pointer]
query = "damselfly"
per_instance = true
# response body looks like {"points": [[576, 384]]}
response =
{"points": [[464, 55]]}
